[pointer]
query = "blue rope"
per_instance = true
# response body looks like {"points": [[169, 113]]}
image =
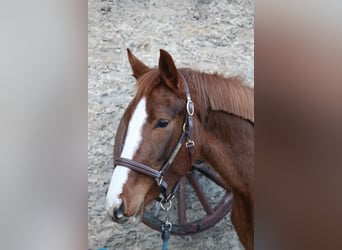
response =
{"points": [[165, 245]]}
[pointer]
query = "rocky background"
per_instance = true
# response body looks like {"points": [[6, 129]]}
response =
{"points": [[213, 36]]}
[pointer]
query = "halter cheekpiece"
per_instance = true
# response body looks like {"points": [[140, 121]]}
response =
{"points": [[159, 175]]}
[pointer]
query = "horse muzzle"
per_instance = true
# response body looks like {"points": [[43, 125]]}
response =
{"points": [[118, 215]]}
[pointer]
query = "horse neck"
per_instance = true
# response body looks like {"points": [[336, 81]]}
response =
{"points": [[227, 143], [214, 92], [226, 138]]}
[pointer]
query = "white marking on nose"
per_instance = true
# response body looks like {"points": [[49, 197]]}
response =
{"points": [[131, 145]]}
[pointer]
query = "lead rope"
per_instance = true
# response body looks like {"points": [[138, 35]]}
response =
{"points": [[167, 225]]}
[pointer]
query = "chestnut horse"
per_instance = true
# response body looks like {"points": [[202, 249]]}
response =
{"points": [[213, 114]]}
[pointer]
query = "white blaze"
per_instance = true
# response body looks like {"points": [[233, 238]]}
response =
{"points": [[131, 145]]}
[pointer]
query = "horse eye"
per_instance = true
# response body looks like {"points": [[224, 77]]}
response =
{"points": [[162, 123]]}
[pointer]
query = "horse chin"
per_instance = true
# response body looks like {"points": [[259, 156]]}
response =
{"points": [[130, 220], [137, 217]]}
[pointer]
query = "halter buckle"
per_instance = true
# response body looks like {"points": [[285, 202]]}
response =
{"points": [[190, 143], [170, 197], [160, 180]]}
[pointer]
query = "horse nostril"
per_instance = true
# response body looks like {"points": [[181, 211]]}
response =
{"points": [[118, 214]]}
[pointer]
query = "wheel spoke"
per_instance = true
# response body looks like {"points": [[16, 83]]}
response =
{"points": [[181, 202], [201, 196], [212, 175]]}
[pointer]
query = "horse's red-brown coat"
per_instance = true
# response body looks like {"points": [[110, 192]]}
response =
{"points": [[223, 133]]}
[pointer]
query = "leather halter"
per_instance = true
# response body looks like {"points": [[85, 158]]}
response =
{"points": [[158, 175]]}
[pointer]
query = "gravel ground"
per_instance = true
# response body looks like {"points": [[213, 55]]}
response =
{"points": [[213, 36]]}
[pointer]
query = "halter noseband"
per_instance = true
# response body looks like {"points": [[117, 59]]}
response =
{"points": [[159, 175]]}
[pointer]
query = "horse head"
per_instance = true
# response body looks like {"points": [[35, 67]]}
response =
{"points": [[154, 122]]}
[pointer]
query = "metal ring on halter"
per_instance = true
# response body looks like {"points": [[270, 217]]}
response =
{"points": [[190, 107], [167, 202], [185, 130]]}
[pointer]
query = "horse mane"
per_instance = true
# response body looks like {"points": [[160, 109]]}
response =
{"points": [[222, 94], [213, 91]]}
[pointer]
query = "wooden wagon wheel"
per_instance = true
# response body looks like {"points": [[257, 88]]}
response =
{"points": [[215, 205]]}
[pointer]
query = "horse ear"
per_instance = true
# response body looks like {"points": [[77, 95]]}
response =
{"points": [[168, 70], [138, 67]]}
